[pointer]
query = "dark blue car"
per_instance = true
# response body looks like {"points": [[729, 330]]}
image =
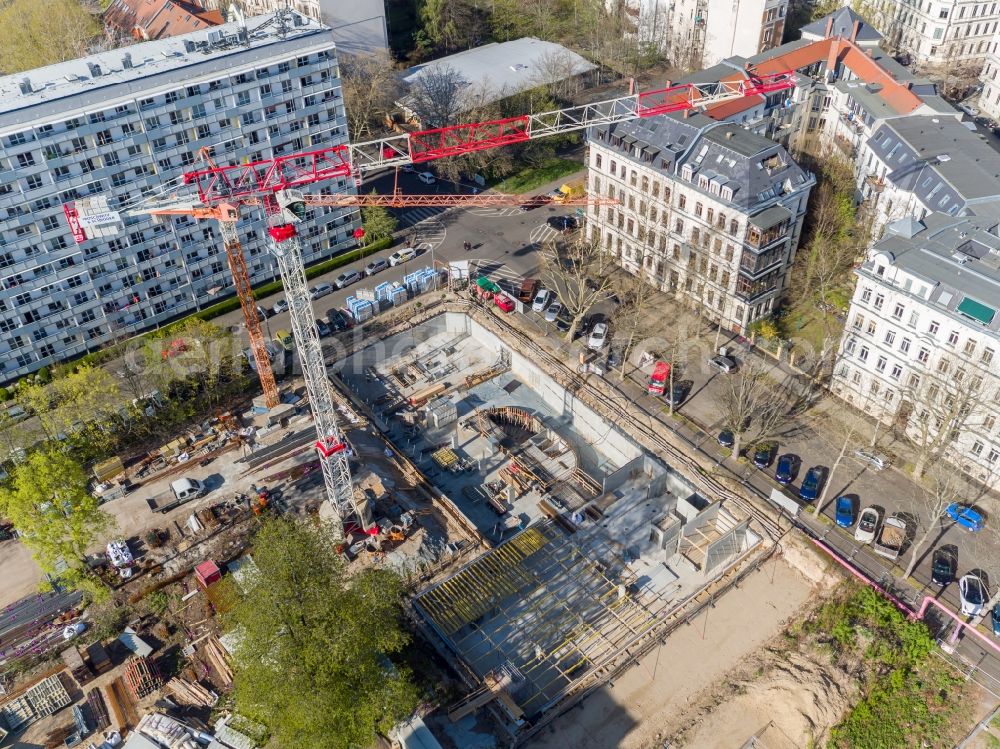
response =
{"points": [[845, 515], [783, 473], [811, 485], [996, 620]]}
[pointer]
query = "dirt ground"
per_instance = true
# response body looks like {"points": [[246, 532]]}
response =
{"points": [[18, 571], [653, 700]]}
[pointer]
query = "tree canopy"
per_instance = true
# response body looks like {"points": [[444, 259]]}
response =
{"points": [[34, 33], [48, 502], [312, 663]]}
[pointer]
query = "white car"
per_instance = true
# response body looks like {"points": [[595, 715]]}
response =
{"points": [[320, 290], [280, 306], [598, 336], [867, 525], [427, 178], [973, 595], [401, 256], [874, 459], [542, 300]]}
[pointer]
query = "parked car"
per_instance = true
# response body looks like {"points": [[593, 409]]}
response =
{"points": [[785, 470], [346, 278], [564, 322], [284, 339], [376, 266], [891, 537], [598, 336], [844, 512], [280, 306], [542, 300], [263, 314], [727, 438], [338, 320], [678, 393], [320, 290], [427, 178], [563, 223], [722, 363], [812, 484], [763, 455], [874, 459], [504, 302], [529, 287], [995, 617], [972, 593], [322, 328], [402, 256], [868, 525], [966, 516], [943, 566], [553, 311]]}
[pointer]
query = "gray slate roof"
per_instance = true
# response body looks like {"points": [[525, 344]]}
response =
{"points": [[945, 164], [843, 25], [958, 257], [722, 151]]}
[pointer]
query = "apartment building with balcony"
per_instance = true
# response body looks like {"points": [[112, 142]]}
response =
{"points": [[123, 124], [707, 210], [922, 344]]}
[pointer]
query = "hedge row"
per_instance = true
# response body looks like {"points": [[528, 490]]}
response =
{"points": [[233, 303]]}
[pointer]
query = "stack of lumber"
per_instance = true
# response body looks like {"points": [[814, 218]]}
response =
{"points": [[191, 692], [216, 655]]}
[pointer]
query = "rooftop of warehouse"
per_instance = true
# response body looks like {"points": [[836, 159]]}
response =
{"points": [[85, 77]]}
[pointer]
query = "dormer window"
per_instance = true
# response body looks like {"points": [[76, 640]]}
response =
{"points": [[727, 193], [687, 172], [703, 182]]}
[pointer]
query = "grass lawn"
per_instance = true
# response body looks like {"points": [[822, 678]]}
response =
{"points": [[533, 177], [808, 323]]}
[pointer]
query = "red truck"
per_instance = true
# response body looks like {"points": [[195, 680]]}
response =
{"points": [[658, 380]]}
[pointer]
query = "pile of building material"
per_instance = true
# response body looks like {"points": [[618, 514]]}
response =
{"points": [[169, 733], [215, 654], [37, 701], [141, 676], [191, 692]]}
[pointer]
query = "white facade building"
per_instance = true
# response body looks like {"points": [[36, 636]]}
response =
{"points": [[922, 343], [707, 210]]}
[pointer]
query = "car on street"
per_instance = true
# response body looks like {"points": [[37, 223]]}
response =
{"points": [[972, 594], [868, 525], [995, 617], [320, 290], [563, 223], [553, 311], [542, 300], [401, 256], [376, 266], [678, 393], [784, 472], [763, 455], [812, 484], [427, 178], [943, 566], [346, 278], [598, 337], [322, 328], [874, 459], [722, 363], [338, 320], [726, 438], [280, 306], [966, 516], [844, 512]]}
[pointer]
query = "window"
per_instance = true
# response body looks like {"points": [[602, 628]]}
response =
{"points": [[943, 366], [977, 448], [992, 457], [879, 299], [896, 372], [682, 201], [987, 356], [597, 161], [866, 295], [897, 313], [871, 327], [25, 159], [970, 347], [989, 422], [933, 327], [33, 182], [923, 355], [880, 364], [953, 338], [863, 354], [859, 321], [890, 337], [914, 317], [904, 345]]}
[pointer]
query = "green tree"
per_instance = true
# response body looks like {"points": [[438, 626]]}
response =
{"points": [[312, 659], [34, 33], [58, 519], [378, 223]]}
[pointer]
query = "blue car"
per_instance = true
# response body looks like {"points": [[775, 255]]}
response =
{"points": [[845, 512], [996, 620], [783, 471], [811, 484], [966, 516]]}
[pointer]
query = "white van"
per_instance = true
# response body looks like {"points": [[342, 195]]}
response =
{"points": [[185, 489]]}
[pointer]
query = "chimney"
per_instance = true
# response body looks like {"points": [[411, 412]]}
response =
{"points": [[127, 60], [855, 30], [829, 27], [26, 86]]}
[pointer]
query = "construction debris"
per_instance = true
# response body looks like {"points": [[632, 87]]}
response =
{"points": [[191, 693]]}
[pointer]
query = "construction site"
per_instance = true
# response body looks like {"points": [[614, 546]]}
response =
{"points": [[592, 544]]}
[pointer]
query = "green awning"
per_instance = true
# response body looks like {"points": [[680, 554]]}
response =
{"points": [[977, 311]]}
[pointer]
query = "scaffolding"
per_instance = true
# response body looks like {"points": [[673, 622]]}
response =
{"points": [[551, 607]]}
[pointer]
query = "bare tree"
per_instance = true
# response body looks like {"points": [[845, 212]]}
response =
{"points": [[371, 88], [752, 403], [436, 95], [581, 275], [557, 71], [845, 426], [944, 486]]}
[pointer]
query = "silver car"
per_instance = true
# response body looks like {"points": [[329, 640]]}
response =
{"points": [[598, 336], [874, 459], [553, 311]]}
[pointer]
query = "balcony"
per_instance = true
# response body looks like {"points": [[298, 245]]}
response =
{"points": [[876, 184], [845, 145]]}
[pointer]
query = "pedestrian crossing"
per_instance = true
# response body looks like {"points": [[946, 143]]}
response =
{"points": [[542, 234], [418, 215], [428, 233], [497, 212]]}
